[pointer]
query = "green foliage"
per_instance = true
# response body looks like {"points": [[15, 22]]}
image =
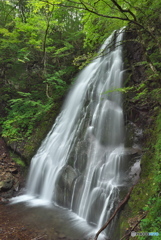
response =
{"points": [[38, 43], [152, 223], [98, 28], [23, 116], [83, 60], [145, 197], [17, 159], [56, 83], [19, 162], [122, 90], [142, 93]]}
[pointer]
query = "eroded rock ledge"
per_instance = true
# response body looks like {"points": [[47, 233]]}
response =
{"points": [[10, 174]]}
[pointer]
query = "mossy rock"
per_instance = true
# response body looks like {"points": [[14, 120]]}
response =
{"points": [[27, 147]]}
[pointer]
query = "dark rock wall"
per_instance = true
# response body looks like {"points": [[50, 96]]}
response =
{"points": [[10, 174], [136, 113], [134, 75]]}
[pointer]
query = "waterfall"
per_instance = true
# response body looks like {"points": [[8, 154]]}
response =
{"points": [[81, 164]]}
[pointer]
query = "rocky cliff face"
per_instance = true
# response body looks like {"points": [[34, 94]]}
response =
{"points": [[140, 124], [137, 112], [135, 74], [10, 174]]}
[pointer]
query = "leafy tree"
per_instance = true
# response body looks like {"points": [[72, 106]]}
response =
{"points": [[38, 45], [41, 38], [23, 115]]}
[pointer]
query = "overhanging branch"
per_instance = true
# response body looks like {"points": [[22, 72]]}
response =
{"points": [[85, 8]]}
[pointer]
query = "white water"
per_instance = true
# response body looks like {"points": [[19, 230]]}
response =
{"points": [[81, 164]]}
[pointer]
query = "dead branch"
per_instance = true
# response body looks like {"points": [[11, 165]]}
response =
{"points": [[115, 212], [127, 234]]}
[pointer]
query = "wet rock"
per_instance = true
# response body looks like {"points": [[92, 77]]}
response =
{"points": [[3, 200], [17, 147], [68, 175], [10, 176], [64, 185], [16, 185], [132, 151], [23, 229], [6, 184], [135, 172], [13, 170], [61, 236], [134, 135], [80, 149], [7, 194]]}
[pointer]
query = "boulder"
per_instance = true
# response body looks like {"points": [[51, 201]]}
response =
{"points": [[6, 184], [68, 175], [65, 185]]}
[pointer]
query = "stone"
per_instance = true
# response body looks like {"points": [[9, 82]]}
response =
{"points": [[16, 185], [6, 184], [61, 236], [132, 151], [7, 194], [68, 176], [13, 170], [64, 185], [3, 200]]}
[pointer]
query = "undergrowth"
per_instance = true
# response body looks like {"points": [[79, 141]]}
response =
{"points": [[152, 223]]}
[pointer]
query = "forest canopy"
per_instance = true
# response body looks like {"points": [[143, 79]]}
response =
{"points": [[43, 43]]}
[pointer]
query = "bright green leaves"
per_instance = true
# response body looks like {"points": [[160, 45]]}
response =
{"points": [[64, 50], [23, 116], [56, 84], [100, 19], [38, 5], [38, 43], [122, 90], [6, 13], [4, 32], [23, 55]]}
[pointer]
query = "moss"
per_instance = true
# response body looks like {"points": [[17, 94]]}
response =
{"points": [[143, 197], [32, 145], [18, 160], [25, 148], [152, 223]]}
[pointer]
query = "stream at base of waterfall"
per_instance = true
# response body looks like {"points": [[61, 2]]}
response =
{"points": [[82, 169]]}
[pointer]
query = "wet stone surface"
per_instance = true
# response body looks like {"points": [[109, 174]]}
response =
{"points": [[10, 176], [18, 222], [22, 224]]}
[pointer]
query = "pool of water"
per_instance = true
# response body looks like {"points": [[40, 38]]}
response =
{"points": [[45, 222]]}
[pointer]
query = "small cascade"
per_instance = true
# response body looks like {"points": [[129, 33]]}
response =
{"points": [[81, 164]]}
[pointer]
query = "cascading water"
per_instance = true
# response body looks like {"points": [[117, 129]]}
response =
{"points": [[81, 164]]}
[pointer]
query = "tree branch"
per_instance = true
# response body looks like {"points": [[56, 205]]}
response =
{"points": [[120, 9], [124, 10], [89, 10], [128, 234], [115, 212]]}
